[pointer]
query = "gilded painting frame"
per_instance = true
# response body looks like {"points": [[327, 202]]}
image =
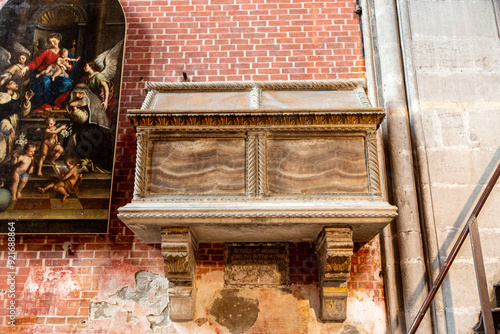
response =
{"points": [[60, 79]]}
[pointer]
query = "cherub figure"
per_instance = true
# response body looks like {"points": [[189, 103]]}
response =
{"points": [[24, 167], [50, 143], [60, 66], [67, 182]]}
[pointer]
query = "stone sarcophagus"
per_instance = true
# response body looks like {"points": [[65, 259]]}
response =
{"points": [[259, 162]]}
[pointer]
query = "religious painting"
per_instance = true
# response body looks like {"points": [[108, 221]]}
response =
{"points": [[60, 74]]}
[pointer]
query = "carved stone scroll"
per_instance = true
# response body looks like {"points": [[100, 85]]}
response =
{"points": [[179, 248], [335, 249]]}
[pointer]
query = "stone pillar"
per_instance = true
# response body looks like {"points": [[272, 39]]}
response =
{"points": [[335, 249], [179, 248], [404, 191]]}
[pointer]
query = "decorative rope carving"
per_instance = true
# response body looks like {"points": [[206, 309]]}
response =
{"points": [[371, 138], [140, 165], [255, 98], [219, 215], [148, 101], [249, 85], [362, 98], [262, 163], [251, 161]]}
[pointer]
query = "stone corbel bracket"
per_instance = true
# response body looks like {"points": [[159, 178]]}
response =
{"points": [[179, 248], [335, 249]]}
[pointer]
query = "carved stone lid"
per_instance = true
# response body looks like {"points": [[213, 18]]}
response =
{"points": [[280, 95]]}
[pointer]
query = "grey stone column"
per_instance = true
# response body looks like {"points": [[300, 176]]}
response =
{"points": [[420, 147], [392, 289], [412, 263]]}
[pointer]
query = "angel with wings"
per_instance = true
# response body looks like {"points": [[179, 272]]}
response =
{"points": [[91, 106], [14, 71], [99, 75]]}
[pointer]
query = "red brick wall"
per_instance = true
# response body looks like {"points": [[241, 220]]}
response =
{"points": [[234, 40], [303, 265], [226, 40]]}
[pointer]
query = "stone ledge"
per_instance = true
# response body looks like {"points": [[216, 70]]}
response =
{"points": [[257, 221]]}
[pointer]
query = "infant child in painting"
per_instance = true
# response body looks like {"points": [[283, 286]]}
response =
{"points": [[60, 66], [68, 182], [24, 167], [50, 143]]}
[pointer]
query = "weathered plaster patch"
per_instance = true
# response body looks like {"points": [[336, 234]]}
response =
{"points": [[159, 321], [207, 287], [201, 321], [282, 311], [43, 280], [117, 275], [349, 329], [103, 310], [45, 288], [131, 319], [292, 310], [234, 310], [366, 313], [144, 309]]}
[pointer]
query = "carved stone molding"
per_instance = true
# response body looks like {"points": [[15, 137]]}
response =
{"points": [[181, 302], [371, 139], [149, 99], [264, 85], [370, 117], [251, 161], [250, 215], [255, 98], [179, 247], [140, 170], [262, 163], [335, 249]]}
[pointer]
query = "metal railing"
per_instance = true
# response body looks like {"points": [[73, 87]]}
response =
{"points": [[470, 227]]}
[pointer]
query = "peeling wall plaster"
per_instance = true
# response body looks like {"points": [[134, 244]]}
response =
{"points": [[44, 288], [142, 309], [280, 311]]}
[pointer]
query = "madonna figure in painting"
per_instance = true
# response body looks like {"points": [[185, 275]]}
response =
{"points": [[48, 92]]}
